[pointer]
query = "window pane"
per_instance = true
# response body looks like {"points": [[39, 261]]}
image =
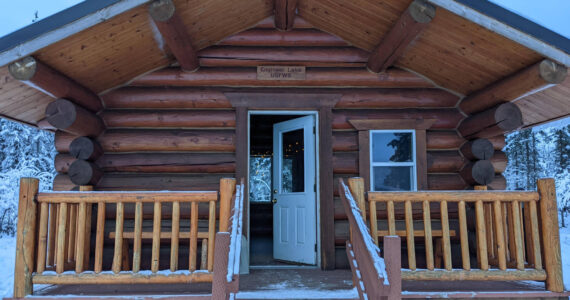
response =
{"points": [[392, 147], [392, 178], [293, 172], [260, 178]]}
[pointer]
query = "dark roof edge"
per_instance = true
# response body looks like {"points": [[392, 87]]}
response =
{"points": [[512, 26], [56, 27]]}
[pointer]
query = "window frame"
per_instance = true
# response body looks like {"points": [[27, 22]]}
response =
{"points": [[413, 163]]}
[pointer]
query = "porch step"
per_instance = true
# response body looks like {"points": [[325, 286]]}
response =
{"points": [[298, 294]]}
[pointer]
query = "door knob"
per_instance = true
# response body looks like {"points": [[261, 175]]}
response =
{"points": [[275, 191], [274, 200]]}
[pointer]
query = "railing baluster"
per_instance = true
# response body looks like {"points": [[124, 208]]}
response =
{"points": [[517, 235], [428, 239], [118, 252], [52, 234], [211, 235], [463, 236], [535, 235], [42, 243], [174, 238], [373, 222], [193, 235], [137, 237], [489, 229], [410, 236], [501, 250], [204, 256], [156, 227], [511, 233], [80, 250], [391, 218], [61, 237], [523, 243], [72, 232], [506, 230], [99, 237], [87, 229], [445, 233], [481, 238], [528, 234]]}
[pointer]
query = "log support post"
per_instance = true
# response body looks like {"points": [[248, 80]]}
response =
{"points": [[174, 33], [25, 238], [550, 235], [42, 77], [285, 14], [408, 27]]}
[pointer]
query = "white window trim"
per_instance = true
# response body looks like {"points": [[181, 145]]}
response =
{"points": [[412, 164]]}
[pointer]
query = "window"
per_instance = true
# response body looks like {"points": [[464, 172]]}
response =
{"points": [[393, 160]]}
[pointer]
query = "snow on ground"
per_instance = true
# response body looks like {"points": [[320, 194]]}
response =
{"points": [[7, 261]]}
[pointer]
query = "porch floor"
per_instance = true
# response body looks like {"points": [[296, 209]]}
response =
{"points": [[309, 284]]}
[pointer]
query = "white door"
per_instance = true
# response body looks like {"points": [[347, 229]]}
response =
{"points": [[294, 191]]}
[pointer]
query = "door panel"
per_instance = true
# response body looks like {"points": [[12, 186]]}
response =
{"points": [[294, 207]]}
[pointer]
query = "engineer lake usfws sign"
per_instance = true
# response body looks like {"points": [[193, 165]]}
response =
{"points": [[281, 73]]}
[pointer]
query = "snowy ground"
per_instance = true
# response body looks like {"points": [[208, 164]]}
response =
{"points": [[8, 250]]}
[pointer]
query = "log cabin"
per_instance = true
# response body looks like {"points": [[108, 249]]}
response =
{"points": [[292, 96]]}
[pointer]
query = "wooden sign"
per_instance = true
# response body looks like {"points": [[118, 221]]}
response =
{"points": [[280, 72]]}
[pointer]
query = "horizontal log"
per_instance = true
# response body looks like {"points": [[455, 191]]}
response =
{"points": [[477, 149], [325, 77], [123, 278], [128, 197], [50, 81], [168, 162], [446, 182], [492, 122], [396, 98], [167, 140], [480, 172], [272, 37], [435, 139], [454, 196], [62, 162], [499, 160], [69, 117], [62, 182], [244, 56], [446, 118], [437, 162], [522, 83], [62, 141], [479, 275], [85, 148], [82, 172], [158, 182], [165, 98], [174, 33], [168, 118], [499, 183]]}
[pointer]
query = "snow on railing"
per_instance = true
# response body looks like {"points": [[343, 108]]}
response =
{"points": [[374, 251], [235, 239]]}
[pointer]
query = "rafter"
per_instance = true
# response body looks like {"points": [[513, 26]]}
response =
{"points": [[174, 33], [50, 81], [285, 14], [408, 27], [530, 80]]}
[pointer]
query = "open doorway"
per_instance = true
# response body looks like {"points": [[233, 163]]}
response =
{"points": [[282, 190]]}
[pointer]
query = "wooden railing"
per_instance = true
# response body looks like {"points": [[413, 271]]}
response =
{"points": [[228, 252], [516, 232], [374, 277], [58, 252]]}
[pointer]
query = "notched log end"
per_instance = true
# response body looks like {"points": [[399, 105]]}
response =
{"points": [[422, 11], [161, 10], [552, 72], [509, 116], [23, 69], [61, 113]]}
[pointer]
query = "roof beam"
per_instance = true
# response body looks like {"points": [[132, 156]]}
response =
{"points": [[50, 81], [285, 14], [528, 81], [408, 27], [174, 33]]}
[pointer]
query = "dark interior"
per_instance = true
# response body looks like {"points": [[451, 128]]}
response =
{"points": [[261, 213]]}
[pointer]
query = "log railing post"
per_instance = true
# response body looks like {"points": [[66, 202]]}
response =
{"points": [[25, 238], [550, 234], [227, 190], [356, 185]]}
